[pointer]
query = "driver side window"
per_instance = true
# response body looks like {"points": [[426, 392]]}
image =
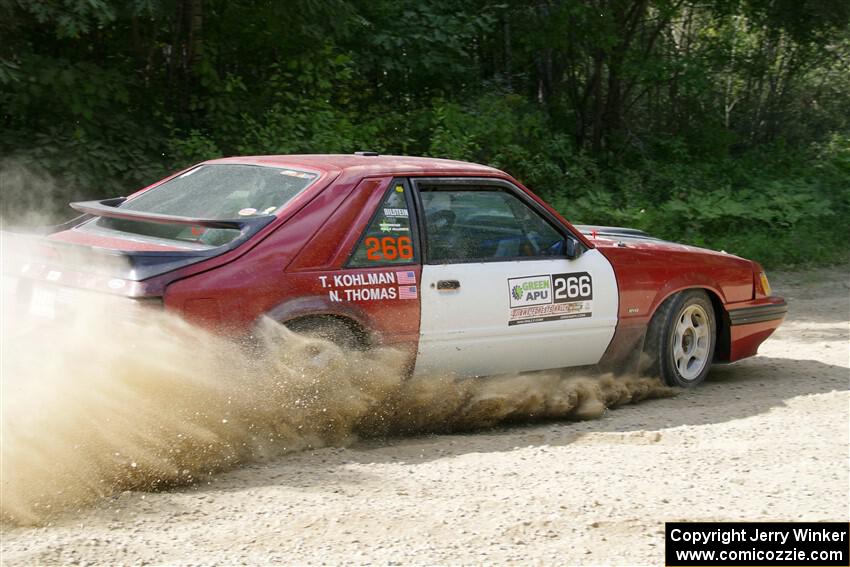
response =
{"points": [[485, 223]]}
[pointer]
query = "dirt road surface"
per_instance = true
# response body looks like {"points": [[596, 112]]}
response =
{"points": [[765, 439]]}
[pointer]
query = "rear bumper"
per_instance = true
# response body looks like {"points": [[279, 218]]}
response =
{"points": [[752, 323]]}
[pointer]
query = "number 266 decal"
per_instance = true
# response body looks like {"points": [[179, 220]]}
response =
{"points": [[577, 286], [388, 248]]}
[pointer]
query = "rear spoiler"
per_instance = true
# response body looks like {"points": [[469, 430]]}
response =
{"points": [[141, 265], [110, 208]]}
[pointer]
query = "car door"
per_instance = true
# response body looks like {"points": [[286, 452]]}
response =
{"points": [[498, 292]]}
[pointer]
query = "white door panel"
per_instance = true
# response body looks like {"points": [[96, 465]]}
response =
{"points": [[517, 315]]}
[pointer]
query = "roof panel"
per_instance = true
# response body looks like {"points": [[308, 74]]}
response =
{"points": [[366, 165]]}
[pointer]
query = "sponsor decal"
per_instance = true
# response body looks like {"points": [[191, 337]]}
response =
{"points": [[550, 312], [298, 174], [387, 226], [534, 299], [395, 212], [247, 212], [532, 290]]}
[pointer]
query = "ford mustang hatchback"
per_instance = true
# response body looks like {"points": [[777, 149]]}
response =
{"points": [[457, 264]]}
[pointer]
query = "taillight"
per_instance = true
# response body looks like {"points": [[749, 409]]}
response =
{"points": [[762, 285]]}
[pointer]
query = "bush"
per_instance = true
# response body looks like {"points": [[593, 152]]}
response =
{"points": [[781, 209], [779, 206]]}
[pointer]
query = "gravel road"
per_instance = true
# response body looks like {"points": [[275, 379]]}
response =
{"points": [[764, 439]]}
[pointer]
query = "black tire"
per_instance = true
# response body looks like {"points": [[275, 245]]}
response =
{"points": [[679, 358], [333, 329]]}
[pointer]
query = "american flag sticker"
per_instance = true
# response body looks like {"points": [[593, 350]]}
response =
{"points": [[407, 292], [406, 278]]}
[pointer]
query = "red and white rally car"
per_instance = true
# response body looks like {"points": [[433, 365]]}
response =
{"points": [[456, 263]]}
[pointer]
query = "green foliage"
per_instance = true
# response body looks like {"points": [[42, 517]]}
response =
{"points": [[779, 209], [70, 18], [191, 148], [453, 135], [722, 124]]}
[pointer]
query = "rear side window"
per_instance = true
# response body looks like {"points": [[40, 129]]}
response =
{"points": [[389, 239], [212, 191]]}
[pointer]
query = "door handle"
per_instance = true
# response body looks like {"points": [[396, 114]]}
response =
{"points": [[443, 285]]}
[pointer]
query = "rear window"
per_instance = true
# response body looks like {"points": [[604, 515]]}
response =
{"points": [[214, 191]]}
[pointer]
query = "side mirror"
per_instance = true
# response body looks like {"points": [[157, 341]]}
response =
{"points": [[572, 248]]}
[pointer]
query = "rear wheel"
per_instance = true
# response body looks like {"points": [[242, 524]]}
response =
{"points": [[681, 339], [332, 329]]}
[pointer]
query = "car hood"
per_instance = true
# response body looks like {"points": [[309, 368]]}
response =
{"points": [[655, 244], [631, 238]]}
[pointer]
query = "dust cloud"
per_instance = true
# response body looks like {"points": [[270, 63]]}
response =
{"points": [[32, 196], [118, 397]]}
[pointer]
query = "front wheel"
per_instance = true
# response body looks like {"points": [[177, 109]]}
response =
{"points": [[681, 339]]}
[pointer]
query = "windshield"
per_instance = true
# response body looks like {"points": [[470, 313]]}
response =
{"points": [[215, 191]]}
